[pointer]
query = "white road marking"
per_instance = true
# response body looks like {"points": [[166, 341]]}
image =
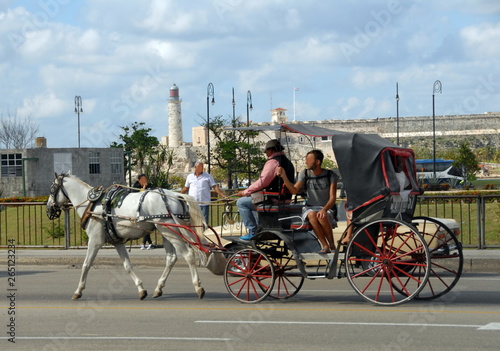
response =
{"points": [[490, 326], [326, 290], [115, 338]]}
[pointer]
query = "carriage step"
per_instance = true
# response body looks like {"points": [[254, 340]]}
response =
{"points": [[317, 256], [316, 276]]}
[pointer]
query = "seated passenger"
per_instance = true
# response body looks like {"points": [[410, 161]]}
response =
{"points": [[321, 189], [268, 180]]}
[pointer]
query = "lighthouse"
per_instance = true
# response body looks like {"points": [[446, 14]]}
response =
{"points": [[174, 118]]}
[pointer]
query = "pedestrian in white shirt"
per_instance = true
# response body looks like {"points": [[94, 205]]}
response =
{"points": [[198, 185]]}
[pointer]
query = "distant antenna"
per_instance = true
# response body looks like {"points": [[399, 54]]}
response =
{"points": [[294, 90]]}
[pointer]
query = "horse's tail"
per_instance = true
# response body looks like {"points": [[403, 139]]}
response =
{"points": [[197, 219]]}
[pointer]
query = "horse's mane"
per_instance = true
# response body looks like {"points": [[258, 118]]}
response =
{"points": [[75, 178]]}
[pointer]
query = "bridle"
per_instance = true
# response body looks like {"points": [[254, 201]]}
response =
{"points": [[54, 211]]}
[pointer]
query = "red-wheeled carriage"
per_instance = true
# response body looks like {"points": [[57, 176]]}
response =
{"points": [[392, 256]]}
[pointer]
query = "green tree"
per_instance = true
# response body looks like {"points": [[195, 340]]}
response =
{"points": [[328, 163], [232, 149], [136, 138], [158, 165], [466, 161], [486, 154]]}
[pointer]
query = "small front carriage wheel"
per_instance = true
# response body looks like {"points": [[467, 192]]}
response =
{"points": [[289, 278], [249, 275]]}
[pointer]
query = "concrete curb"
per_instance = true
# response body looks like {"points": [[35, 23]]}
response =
{"points": [[481, 265]]}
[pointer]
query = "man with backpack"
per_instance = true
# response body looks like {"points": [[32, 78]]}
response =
{"points": [[268, 181], [320, 187]]}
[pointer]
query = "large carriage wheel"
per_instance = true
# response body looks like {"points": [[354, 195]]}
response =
{"points": [[288, 278], [387, 262], [249, 275], [447, 259]]}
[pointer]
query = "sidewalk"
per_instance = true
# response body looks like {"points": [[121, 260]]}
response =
{"points": [[475, 261]]}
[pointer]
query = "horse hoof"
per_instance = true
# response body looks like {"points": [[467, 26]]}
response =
{"points": [[76, 296], [143, 294], [157, 293], [201, 293]]}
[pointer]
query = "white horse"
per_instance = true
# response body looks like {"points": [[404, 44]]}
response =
{"points": [[138, 213]]}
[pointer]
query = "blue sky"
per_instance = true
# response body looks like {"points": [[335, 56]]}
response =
{"points": [[122, 57]]}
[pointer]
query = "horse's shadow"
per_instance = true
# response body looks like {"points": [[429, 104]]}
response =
{"points": [[21, 273]]}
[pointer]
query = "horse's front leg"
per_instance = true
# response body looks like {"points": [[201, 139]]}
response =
{"points": [[169, 264], [122, 251], [190, 257], [92, 250]]}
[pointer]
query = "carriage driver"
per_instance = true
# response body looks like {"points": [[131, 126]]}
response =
{"points": [[320, 186], [268, 180]]}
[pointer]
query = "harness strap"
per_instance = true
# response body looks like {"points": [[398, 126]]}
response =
{"points": [[141, 200], [87, 214], [111, 235], [145, 218]]}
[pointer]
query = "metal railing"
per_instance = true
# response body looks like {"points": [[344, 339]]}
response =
{"points": [[477, 215]]}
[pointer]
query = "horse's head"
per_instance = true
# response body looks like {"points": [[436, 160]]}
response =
{"points": [[58, 197]]}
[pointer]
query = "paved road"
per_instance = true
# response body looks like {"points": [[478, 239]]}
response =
{"points": [[475, 261], [325, 315]]}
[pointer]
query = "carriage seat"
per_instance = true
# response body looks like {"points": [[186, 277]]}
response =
{"points": [[270, 212], [301, 225]]}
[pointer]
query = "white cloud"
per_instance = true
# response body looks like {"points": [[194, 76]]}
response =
{"points": [[349, 104], [44, 105], [179, 55], [89, 41], [482, 40], [169, 17], [37, 43], [122, 57], [255, 78], [368, 106], [418, 43], [366, 79], [308, 50]]}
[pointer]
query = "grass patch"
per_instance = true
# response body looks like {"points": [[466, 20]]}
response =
{"points": [[486, 184], [465, 212]]}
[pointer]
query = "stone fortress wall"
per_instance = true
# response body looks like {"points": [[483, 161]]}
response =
{"points": [[411, 127]]}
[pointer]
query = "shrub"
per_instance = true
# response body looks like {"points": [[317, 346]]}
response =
{"points": [[55, 231], [25, 199]]}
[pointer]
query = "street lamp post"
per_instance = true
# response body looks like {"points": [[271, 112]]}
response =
{"points": [[234, 137], [249, 108], [397, 114], [436, 89], [78, 110], [210, 94]]}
